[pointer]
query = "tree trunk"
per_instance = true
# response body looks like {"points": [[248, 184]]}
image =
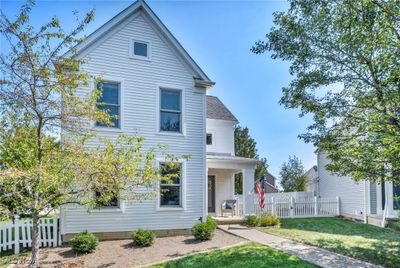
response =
{"points": [[35, 241]]}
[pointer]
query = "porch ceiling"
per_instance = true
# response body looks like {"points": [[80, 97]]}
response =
{"points": [[230, 162]]}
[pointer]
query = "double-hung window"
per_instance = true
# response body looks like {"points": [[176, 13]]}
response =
{"points": [[110, 102], [112, 203], [171, 110], [171, 190]]}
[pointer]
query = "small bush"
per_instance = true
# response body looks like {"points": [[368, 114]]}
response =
{"points": [[211, 222], [143, 238], [203, 231], [252, 221], [269, 220], [84, 242]]}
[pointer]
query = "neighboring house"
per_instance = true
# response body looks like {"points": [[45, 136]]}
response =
{"points": [[312, 180], [361, 200], [159, 93], [270, 184]]}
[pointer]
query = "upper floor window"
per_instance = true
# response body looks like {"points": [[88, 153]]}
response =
{"points": [[171, 110], [140, 49], [110, 101], [209, 139], [171, 191]]}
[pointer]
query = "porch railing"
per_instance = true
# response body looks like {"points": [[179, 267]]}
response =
{"points": [[299, 208]]}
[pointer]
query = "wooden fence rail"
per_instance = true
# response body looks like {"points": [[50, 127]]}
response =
{"points": [[17, 234], [290, 207]]}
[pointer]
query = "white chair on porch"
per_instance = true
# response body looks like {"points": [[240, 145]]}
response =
{"points": [[229, 206]]}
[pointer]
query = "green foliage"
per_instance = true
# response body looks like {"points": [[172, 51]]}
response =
{"points": [[84, 242], [205, 230], [245, 146], [210, 221], [344, 60], [362, 241], [143, 238], [269, 220], [252, 221], [292, 176], [244, 256]]}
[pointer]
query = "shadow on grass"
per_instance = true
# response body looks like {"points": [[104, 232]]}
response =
{"points": [[362, 241]]}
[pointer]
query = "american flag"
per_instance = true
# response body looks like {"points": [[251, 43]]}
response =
{"points": [[260, 191]]}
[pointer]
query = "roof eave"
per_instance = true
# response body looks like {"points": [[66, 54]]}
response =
{"points": [[203, 83]]}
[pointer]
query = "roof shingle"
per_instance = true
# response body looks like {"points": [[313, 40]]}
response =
{"points": [[217, 110]]}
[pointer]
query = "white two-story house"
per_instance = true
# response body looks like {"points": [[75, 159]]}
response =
{"points": [[158, 92]]}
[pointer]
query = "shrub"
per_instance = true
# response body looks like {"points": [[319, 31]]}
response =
{"points": [[213, 223], [203, 231], [143, 238], [252, 220], [84, 242], [269, 220]]}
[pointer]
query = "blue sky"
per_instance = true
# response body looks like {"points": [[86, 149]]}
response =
{"points": [[218, 35]]}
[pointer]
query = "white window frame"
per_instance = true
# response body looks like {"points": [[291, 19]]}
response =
{"points": [[182, 131], [182, 186], [110, 209], [132, 50], [120, 81]]}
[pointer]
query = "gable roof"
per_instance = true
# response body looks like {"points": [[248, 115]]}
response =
{"points": [[201, 79], [217, 110]]}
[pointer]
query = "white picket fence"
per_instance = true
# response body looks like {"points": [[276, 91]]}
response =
{"points": [[17, 234], [300, 208]]}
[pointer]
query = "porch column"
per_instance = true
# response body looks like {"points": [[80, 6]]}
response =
{"points": [[248, 191]]}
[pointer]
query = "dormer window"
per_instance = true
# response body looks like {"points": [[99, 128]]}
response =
{"points": [[140, 49]]}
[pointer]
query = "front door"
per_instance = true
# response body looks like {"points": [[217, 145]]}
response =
{"points": [[211, 193]]}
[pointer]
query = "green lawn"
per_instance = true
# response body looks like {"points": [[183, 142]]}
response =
{"points": [[248, 255], [365, 242]]}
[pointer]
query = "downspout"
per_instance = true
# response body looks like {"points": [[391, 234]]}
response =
{"points": [[365, 202], [383, 223]]}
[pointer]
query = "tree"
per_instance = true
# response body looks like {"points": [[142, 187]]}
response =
{"points": [[344, 59], [245, 146], [292, 176], [42, 167]]}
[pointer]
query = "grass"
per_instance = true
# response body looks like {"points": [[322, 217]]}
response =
{"points": [[248, 255], [362, 241], [8, 257]]}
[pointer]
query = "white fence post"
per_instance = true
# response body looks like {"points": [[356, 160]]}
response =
{"points": [[315, 206], [337, 206], [273, 206], [292, 207], [16, 234]]}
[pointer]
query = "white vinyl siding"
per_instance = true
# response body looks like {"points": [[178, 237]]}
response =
{"points": [[142, 80], [351, 193]]}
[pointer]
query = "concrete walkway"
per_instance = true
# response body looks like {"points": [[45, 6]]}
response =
{"points": [[318, 256]]}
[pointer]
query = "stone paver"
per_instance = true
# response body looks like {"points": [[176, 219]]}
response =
{"points": [[318, 256]]}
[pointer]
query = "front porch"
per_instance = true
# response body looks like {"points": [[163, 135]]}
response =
{"points": [[221, 171]]}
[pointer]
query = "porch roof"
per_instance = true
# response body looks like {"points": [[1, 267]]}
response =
{"points": [[226, 161]]}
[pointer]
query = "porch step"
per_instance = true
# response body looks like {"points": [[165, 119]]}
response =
{"points": [[229, 220]]}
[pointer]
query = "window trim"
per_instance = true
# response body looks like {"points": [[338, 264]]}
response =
{"points": [[120, 208], [182, 131], [120, 81], [132, 50], [182, 190]]}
